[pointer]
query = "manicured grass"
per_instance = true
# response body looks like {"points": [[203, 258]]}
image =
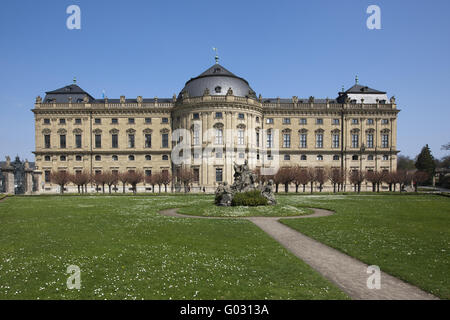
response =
{"points": [[205, 207], [407, 236], [126, 250]]}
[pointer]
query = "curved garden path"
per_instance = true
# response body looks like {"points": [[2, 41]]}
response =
{"points": [[346, 272]]}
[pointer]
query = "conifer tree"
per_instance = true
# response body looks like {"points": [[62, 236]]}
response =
{"points": [[425, 162]]}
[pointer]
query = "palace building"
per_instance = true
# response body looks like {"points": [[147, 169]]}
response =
{"points": [[222, 121]]}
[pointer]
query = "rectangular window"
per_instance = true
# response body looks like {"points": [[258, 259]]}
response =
{"points": [[46, 121], [286, 120], [369, 121], [47, 176], [78, 141], [196, 137], [47, 141], [196, 116], [219, 175], [335, 121], [385, 141], [355, 121], [148, 140], [303, 121], [269, 120], [131, 141], [384, 121], [114, 121], [370, 140], [269, 139], [98, 140], [335, 140], [196, 172], [319, 121], [165, 140], [319, 140], [131, 120], [219, 136], [240, 136], [148, 173], [165, 120], [286, 140], [62, 141], [355, 140], [303, 140], [218, 115], [62, 121], [98, 121], [241, 116], [257, 139], [148, 120], [114, 141]]}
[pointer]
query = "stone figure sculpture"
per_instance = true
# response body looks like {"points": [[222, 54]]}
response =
{"points": [[244, 180]]}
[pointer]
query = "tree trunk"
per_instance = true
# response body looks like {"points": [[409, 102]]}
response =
{"points": [[296, 188], [286, 187], [312, 187], [334, 187], [124, 188]]}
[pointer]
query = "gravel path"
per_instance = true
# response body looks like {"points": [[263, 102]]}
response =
{"points": [[346, 272]]}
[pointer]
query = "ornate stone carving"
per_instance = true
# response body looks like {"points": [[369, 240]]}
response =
{"points": [[38, 99], [230, 92], [206, 92], [267, 192], [139, 99], [85, 99], [311, 99], [244, 180], [122, 99], [392, 99]]}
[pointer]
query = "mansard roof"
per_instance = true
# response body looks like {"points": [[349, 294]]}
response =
{"points": [[357, 88], [64, 94]]}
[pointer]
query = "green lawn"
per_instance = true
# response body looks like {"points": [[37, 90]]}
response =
{"points": [[408, 236], [206, 207], [126, 250]]}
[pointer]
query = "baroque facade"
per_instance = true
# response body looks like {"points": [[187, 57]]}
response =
{"points": [[217, 119]]}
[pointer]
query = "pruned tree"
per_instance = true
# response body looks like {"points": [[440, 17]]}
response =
{"points": [[134, 178], [419, 177], [110, 178], [337, 178], [311, 172], [61, 178], [186, 177], [99, 179], [390, 179], [165, 179], [123, 178], [285, 176], [320, 176], [301, 177], [376, 178], [158, 180], [404, 178], [80, 179], [356, 177]]}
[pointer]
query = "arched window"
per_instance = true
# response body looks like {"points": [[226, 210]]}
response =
{"points": [[287, 157], [303, 157], [148, 157], [130, 158], [319, 157], [335, 157], [165, 157], [98, 158], [370, 157], [355, 157], [115, 158]]}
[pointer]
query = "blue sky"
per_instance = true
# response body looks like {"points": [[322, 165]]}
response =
{"points": [[283, 48]]}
